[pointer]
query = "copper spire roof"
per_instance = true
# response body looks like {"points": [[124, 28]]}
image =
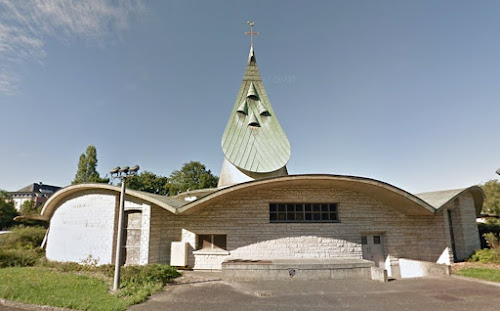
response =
{"points": [[254, 140]]}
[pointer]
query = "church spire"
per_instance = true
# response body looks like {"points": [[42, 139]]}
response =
{"points": [[254, 144]]}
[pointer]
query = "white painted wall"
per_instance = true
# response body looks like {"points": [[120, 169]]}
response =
{"points": [[83, 227]]}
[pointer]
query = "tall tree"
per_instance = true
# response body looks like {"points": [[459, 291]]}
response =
{"points": [[87, 168], [149, 182], [193, 175], [7, 211], [491, 203]]}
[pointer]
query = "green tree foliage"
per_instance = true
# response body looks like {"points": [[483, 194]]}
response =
{"points": [[193, 175], [29, 208], [491, 203], [149, 182], [87, 168], [7, 211]]}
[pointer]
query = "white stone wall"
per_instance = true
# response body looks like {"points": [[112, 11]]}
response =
{"points": [[244, 218], [82, 228]]}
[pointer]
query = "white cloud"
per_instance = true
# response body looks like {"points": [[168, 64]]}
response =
{"points": [[26, 24]]}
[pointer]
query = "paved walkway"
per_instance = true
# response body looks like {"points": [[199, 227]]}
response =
{"points": [[205, 291]]}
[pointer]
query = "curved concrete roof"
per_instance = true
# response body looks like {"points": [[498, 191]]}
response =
{"points": [[168, 203], [190, 202], [439, 199]]}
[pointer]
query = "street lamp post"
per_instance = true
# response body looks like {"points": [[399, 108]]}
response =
{"points": [[121, 173]]}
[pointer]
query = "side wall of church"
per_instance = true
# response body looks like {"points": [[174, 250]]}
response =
{"points": [[84, 226], [244, 218], [465, 230], [82, 229]]}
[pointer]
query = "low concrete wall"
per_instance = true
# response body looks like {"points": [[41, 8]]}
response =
{"points": [[379, 274], [416, 269], [250, 270]]}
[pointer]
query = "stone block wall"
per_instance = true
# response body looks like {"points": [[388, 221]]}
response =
{"points": [[244, 218], [465, 230]]}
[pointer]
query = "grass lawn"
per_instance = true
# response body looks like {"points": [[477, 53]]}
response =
{"points": [[488, 274], [44, 286]]}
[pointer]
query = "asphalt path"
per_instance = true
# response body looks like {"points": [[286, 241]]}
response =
{"points": [[206, 291], [207, 294]]}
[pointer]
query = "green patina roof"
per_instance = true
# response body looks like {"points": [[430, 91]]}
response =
{"points": [[254, 140]]}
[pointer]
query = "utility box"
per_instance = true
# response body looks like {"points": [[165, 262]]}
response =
{"points": [[179, 254]]}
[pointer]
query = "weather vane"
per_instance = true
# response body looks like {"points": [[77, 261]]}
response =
{"points": [[251, 33]]}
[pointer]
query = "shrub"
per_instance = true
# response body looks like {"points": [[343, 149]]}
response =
{"points": [[487, 228], [7, 213], [130, 275], [153, 273], [20, 257], [23, 238], [139, 282], [486, 255], [492, 240], [21, 247]]}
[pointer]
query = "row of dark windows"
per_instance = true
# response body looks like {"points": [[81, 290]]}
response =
{"points": [[303, 212]]}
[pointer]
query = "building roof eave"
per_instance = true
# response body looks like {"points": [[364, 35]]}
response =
{"points": [[167, 203], [391, 195], [439, 199]]}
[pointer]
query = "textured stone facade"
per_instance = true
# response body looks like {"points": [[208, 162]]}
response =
{"points": [[85, 225], [465, 230], [244, 218]]}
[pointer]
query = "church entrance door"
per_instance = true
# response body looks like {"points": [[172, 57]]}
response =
{"points": [[373, 249]]}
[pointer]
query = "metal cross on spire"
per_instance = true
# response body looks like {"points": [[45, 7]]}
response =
{"points": [[251, 33]]}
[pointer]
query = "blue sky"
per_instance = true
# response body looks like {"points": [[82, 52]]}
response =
{"points": [[406, 92]]}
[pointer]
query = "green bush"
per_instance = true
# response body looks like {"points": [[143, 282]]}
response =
{"points": [[130, 275], [492, 240], [23, 238], [153, 273], [487, 228], [20, 257], [486, 255], [21, 247], [7, 212]]}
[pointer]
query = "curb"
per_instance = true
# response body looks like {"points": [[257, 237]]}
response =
{"points": [[30, 307], [465, 278]]}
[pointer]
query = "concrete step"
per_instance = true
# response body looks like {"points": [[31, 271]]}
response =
{"points": [[297, 269]]}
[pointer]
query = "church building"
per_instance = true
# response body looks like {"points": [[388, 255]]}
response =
{"points": [[260, 213]]}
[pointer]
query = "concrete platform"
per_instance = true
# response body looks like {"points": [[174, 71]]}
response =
{"points": [[297, 269]]}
